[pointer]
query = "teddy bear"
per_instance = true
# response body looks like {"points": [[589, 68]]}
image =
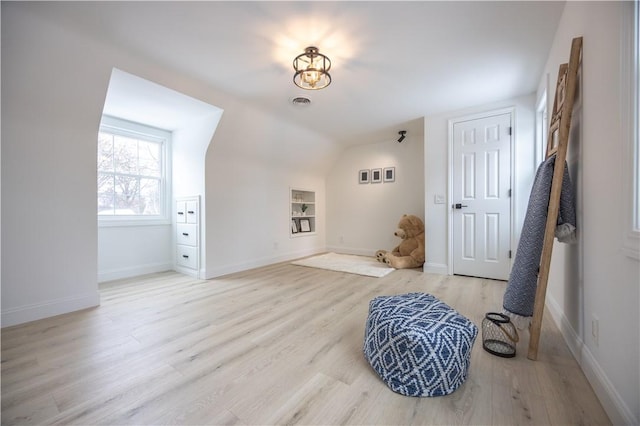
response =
{"points": [[410, 252]]}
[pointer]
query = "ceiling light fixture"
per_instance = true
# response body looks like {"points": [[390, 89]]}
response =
{"points": [[402, 134], [312, 69]]}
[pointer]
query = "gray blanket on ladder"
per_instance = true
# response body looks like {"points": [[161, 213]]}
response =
{"points": [[521, 289]]}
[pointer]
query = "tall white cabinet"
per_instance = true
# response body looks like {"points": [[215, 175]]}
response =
{"points": [[188, 235]]}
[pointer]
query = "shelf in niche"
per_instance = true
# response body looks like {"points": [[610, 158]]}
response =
{"points": [[298, 197]]}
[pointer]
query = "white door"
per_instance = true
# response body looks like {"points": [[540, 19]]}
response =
{"points": [[481, 193]]}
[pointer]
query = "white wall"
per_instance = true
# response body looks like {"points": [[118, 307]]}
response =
{"points": [[249, 170], [54, 87], [51, 113], [436, 167], [127, 251], [361, 218], [189, 148], [596, 278]]}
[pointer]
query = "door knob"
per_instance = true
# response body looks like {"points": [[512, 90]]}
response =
{"points": [[459, 206]]}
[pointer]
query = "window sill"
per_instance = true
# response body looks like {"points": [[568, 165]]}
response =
{"points": [[127, 221]]}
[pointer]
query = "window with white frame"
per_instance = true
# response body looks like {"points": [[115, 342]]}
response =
{"points": [[542, 128], [132, 171], [630, 120], [636, 119]]}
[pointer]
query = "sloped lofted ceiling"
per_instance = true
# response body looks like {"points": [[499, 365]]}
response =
{"points": [[392, 62]]}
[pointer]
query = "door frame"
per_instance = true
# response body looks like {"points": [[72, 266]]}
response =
{"points": [[514, 134]]}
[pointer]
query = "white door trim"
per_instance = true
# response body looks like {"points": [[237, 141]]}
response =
{"points": [[451, 123]]}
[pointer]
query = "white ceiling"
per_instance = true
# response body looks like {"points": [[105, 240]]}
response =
{"points": [[392, 62]]}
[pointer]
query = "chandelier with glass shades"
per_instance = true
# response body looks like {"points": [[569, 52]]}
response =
{"points": [[312, 69]]}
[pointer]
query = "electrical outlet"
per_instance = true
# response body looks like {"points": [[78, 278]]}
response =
{"points": [[341, 239], [595, 329]]}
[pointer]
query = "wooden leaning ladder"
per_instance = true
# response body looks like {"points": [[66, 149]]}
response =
{"points": [[557, 143]]}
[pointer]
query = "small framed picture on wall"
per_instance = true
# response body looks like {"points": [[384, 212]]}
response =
{"points": [[376, 175], [363, 176], [294, 227], [389, 174]]}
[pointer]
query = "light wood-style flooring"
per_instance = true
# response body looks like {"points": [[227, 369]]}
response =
{"points": [[280, 344]]}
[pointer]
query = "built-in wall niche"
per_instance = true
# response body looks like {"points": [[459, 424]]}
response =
{"points": [[302, 213]]}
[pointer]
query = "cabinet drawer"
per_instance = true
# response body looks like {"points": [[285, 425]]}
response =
{"points": [[187, 256], [192, 211], [181, 212], [187, 234]]}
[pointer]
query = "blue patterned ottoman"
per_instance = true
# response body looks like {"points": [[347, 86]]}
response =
{"points": [[418, 345]]}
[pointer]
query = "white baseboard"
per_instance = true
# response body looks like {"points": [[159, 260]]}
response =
{"points": [[50, 308], [612, 402], [221, 270], [436, 268], [134, 271], [187, 271]]}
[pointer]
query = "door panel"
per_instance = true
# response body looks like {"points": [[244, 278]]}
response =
{"points": [[469, 234], [492, 175], [492, 237], [481, 189], [469, 176]]}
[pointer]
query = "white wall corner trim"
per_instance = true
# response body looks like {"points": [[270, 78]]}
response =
{"points": [[612, 402], [36, 311]]}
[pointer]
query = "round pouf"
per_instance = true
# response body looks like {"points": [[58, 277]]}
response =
{"points": [[418, 345]]}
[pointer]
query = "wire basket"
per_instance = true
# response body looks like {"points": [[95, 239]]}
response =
{"points": [[499, 335]]}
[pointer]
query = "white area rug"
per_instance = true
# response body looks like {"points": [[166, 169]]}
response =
{"points": [[361, 265]]}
